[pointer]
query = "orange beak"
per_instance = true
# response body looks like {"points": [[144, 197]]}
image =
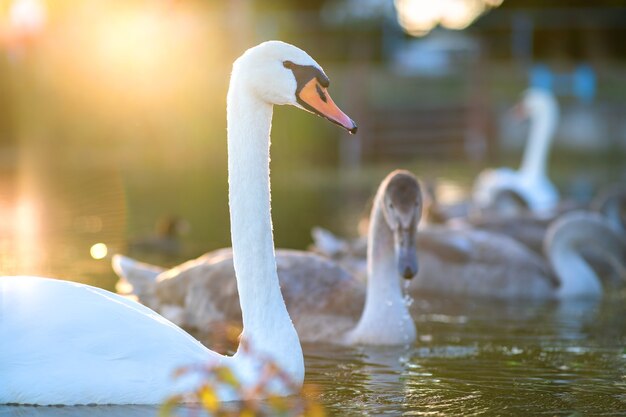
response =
{"points": [[316, 99]]}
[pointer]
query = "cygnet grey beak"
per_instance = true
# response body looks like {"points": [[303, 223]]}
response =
{"points": [[407, 261]]}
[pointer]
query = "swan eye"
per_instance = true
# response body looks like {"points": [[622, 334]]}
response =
{"points": [[288, 64]]}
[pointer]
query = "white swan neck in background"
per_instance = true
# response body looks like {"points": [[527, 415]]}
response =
{"points": [[543, 123]]}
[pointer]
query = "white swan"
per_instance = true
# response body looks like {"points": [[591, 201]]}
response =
{"points": [[325, 302], [67, 343], [529, 185]]}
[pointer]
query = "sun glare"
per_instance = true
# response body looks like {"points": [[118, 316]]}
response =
{"points": [[27, 233], [27, 15], [419, 17], [119, 57], [461, 13], [133, 42]]}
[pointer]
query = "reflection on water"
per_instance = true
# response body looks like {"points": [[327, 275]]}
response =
{"points": [[520, 358], [52, 223], [81, 411]]}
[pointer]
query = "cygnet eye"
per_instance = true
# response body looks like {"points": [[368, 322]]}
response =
{"points": [[288, 64]]}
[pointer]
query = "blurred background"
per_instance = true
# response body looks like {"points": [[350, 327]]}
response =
{"points": [[113, 123]]}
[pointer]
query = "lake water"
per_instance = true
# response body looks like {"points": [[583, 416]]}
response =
{"points": [[479, 357], [473, 357]]}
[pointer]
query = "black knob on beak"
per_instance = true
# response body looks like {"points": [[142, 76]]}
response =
{"points": [[407, 261], [408, 272]]}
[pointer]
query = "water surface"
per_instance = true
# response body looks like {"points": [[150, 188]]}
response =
{"points": [[480, 357], [473, 357]]}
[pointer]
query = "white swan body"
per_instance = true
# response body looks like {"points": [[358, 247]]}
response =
{"points": [[326, 303], [530, 182], [68, 343], [65, 343]]}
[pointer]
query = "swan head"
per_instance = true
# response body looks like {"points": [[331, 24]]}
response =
{"points": [[402, 209], [279, 73], [536, 102]]}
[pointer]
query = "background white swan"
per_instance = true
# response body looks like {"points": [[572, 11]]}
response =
{"points": [[66, 343], [325, 302], [529, 185]]}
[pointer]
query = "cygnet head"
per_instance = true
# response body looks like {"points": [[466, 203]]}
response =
{"points": [[279, 73], [402, 209], [536, 102]]}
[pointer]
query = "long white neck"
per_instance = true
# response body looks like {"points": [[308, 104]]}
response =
{"points": [[535, 159], [267, 327], [386, 319]]}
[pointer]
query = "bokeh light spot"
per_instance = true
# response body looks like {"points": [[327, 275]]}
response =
{"points": [[99, 251]]}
